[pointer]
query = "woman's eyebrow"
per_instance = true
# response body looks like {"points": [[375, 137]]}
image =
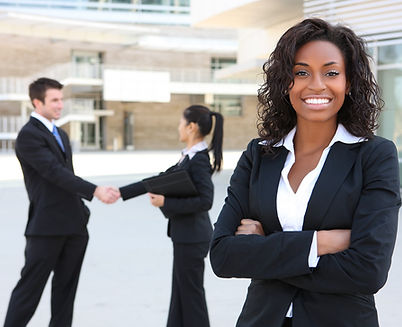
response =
{"points": [[301, 64], [331, 63], [306, 65]]}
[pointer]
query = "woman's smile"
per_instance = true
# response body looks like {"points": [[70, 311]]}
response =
{"points": [[317, 101], [320, 84]]}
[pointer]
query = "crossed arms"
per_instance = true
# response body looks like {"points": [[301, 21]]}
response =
{"points": [[241, 248]]}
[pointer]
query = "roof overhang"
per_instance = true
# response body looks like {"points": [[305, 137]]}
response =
{"points": [[245, 13]]}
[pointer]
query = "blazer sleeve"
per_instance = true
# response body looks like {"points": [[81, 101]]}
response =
{"points": [[363, 267], [35, 152], [276, 255], [200, 172]]}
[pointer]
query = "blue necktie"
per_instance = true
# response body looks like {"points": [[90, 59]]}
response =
{"points": [[58, 138]]}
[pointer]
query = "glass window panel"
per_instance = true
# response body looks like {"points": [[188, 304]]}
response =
{"points": [[88, 134], [390, 54], [219, 63], [370, 51], [87, 64], [227, 105], [390, 81]]}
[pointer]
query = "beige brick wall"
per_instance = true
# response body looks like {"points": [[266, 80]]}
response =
{"points": [[10, 108], [143, 58], [24, 57], [155, 124]]}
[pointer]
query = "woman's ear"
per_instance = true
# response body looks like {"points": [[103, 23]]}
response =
{"points": [[193, 127], [347, 91]]}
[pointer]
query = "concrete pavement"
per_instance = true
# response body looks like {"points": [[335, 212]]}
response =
{"points": [[126, 275]]}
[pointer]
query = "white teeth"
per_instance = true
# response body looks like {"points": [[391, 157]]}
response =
{"points": [[316, 101]]}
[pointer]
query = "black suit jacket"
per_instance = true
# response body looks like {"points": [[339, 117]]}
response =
{"points": [[358, 189], [188, 216], [54, 192]]}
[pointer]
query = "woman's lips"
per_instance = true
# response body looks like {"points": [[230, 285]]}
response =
{"points": [[316, 101]]}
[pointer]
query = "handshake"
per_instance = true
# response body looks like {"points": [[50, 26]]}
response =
{"points": [[107, 194]]}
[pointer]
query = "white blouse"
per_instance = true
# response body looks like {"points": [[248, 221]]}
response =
{"points": [[194, 149], [291, 206]]}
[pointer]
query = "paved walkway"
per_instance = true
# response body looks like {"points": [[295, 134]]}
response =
{"points": [[126, 275], [112, 163]]}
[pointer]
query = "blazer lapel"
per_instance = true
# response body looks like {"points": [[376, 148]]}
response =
{"points": [[184, 162], [53, 142], [179, 165], [269, 177], [340, 160]]}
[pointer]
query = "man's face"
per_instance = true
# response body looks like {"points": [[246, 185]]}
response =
{"points": [[52, 106]]}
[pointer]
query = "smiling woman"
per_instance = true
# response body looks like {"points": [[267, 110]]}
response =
{"points": [[319, 84], [314, 201]]}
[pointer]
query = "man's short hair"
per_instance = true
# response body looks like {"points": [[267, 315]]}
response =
{"points": [[38, 88]]}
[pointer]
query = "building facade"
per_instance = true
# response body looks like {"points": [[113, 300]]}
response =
{"points": [[129, 69]]}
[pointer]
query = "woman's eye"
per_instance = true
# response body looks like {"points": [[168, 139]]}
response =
{"points": [[333, 73], [301, 73]]}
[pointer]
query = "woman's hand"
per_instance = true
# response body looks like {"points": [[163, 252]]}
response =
{"points": [[157, 200], [332, 241], [249, 226]]}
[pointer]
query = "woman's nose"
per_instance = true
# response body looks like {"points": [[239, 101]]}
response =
{"points": [[317, 83]]}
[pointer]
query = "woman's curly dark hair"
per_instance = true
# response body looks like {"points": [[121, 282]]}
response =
{"points": [[362, 105]]}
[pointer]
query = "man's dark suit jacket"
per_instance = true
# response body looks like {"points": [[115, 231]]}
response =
{"points": [[54, 191], [358, 189], [188, 216]]}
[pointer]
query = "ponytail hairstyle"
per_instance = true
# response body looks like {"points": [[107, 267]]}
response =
{"points": [[202, 116]]}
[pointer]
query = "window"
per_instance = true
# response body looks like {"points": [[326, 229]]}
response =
{"points": [[88, 135], [87, 64], [227, 105], [389, 76], [390, 54], [219, 63], [390, 81]]}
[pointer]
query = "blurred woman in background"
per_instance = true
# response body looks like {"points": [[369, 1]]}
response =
{"points": [[189, 225]]}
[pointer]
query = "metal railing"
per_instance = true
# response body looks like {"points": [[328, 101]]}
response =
{"points": [[14, 85], [136, 6], [78, 106], [94, 72], [9, 126], [104, 11], [73, 70], [186, 75]]}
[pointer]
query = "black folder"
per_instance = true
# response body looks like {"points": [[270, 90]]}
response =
{"points": [[176, 183]]}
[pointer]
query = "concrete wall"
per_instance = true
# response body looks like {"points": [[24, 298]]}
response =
{"points": [[24, 57], [155, 124]]}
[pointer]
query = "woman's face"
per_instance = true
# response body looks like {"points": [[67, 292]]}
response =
{"points": [[320, 82], [183, 130]]}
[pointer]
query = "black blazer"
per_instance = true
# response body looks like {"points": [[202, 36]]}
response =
{"points": [[188, 216], [358, 189], [54, 192]]}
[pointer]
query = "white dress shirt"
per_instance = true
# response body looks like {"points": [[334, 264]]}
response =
{"points": [[49, 124], [193, 150], [291, 206]]}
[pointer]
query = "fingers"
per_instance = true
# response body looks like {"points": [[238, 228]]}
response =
{"points": [[113, 194], [249, 226], [156, 200], [107, 194]]}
